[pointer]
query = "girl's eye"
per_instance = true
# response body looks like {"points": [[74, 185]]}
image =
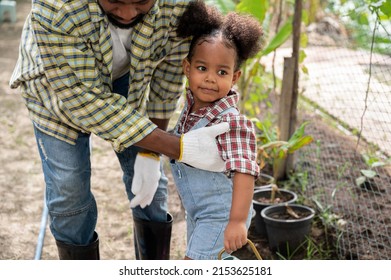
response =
{"points": [[222, 72], [201, 68]]}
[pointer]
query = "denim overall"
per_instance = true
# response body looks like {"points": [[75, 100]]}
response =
{"points": [[207, 198]]}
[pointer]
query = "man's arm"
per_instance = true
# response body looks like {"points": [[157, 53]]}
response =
{"points": [[162, 142], [159, 133]]}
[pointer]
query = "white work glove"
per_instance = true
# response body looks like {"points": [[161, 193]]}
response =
{"points": [[145, 179], [199, 148]]}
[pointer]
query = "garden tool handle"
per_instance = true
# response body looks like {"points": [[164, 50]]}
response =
{"points": [[252, 247]]}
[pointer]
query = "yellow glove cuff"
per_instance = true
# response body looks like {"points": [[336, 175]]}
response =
{"points": [[150, 155], [180, 148]]}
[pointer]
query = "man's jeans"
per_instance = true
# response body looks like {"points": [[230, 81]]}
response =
{"points": [[72, 207]]}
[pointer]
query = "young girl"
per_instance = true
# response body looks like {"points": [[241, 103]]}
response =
{"points": [[218, 205]]}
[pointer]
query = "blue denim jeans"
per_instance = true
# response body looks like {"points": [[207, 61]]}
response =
{"points": [[71, 204]]}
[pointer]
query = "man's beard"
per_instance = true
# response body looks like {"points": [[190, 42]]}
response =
{"points": [[116, 23]]}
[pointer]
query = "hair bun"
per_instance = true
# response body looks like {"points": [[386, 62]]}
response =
{"points": [[198, 19]]}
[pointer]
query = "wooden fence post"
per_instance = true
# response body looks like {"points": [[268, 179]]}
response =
{"points": [[289, 93]]}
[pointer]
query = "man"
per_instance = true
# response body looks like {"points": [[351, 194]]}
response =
{"points": [[112, 68]]}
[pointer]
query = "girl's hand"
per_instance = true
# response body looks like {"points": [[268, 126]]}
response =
{"points": [[235, 236]]}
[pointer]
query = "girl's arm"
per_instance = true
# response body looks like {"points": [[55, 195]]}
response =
{"points": [[235, 235]]}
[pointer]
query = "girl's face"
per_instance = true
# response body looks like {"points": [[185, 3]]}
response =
{"points": [[211, 72]]}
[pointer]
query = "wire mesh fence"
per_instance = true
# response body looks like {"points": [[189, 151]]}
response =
{"points": [[347, 97]]}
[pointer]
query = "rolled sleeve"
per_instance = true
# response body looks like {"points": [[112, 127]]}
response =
{"points": [[238, 146]]}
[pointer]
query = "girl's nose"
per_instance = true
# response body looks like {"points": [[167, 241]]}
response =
{"points": [[210, 78]]}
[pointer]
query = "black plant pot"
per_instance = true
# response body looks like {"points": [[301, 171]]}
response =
{"points": [[264, 180], [260, 202], [287, 235]]}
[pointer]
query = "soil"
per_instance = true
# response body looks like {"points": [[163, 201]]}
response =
{"points": [[290, 214], [279, 198]]}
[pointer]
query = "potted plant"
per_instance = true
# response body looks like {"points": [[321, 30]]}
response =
{"points": [[271, 153], [265, 197], [287, 227], [264, 180]]}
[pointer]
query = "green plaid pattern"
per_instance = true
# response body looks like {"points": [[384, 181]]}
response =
{"points": [[65, 65]]}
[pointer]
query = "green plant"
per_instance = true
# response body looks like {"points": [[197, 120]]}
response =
{"points": [[297, 180], [341, 173], [223, 5], [288, 254], [370, 173], [319, 250], [330, 221], [313, 251], [366, 20], [273, 151], [254, 81]]}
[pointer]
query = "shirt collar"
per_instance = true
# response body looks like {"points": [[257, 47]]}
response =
{"points": [[220, 105]]}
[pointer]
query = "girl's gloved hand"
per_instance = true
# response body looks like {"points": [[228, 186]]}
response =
{"points": [[146, 179]]}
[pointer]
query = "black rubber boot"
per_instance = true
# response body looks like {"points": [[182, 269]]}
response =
{"points": [[75, 252], [152, 239]]}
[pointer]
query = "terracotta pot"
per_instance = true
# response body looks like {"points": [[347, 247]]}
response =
{"points": [[261, 200], [287, 234]]}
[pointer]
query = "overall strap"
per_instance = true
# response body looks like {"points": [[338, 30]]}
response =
{"points": [[204, 121]]}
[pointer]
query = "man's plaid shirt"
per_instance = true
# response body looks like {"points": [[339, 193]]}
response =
{"points": [[238, 147], [65, 65]]}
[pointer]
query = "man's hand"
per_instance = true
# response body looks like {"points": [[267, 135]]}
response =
{"points": [[199, 148], [146, 179]]}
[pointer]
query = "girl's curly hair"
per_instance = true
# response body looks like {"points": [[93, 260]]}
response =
{"points": [[242, 32]]}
